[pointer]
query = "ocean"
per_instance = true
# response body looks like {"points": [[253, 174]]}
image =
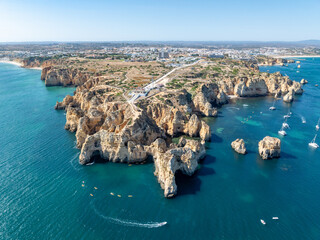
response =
{"points": [[46, 194]]}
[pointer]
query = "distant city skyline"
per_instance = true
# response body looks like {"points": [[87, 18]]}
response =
{"points": [[142, 20]]}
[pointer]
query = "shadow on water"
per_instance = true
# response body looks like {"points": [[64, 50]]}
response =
{"points": [[205, 171], [190, 185], [187, 185], [216, 139], [287, 155], [208, 160]]}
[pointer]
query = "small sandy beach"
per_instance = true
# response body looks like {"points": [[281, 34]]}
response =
{"points": [[18, 64], [10, 62]]}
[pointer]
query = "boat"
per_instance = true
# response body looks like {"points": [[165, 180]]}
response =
{"points": [[282, 132], [275, 218], [273, 107], [285, 125], [287, 116], [313, 142], [317, 126], [262, 221], [298, 66]]}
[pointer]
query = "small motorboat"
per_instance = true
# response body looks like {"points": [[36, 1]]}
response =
{"points": [[299, 66], [282, 132], [262, 221], [273, 107], [286, 116], [275, 218], [285, 125], [313, 142], [317, 126]]}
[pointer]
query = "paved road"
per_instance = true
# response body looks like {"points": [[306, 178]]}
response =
{"points": [[157, 82]]}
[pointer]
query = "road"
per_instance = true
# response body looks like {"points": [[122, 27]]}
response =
{"points": [[157, 82]]}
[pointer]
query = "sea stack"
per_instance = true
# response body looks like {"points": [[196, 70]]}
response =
{"points": [[269, 147], [303, 81], [289, 96], [239, 146]]}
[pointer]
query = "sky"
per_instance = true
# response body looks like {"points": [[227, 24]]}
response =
{"points": [[159, 20]]}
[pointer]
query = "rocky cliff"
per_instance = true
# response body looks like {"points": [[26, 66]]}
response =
{"points": [[109, 127], [63, 76], [260, 85]]}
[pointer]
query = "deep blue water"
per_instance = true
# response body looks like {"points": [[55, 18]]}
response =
{"points": [[41, 193]]}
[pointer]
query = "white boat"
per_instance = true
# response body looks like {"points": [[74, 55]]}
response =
{"points": [[317, 126], [273, 107], [285, 125], [286, 116], [313, 142], [275, 218], [282, 132], [262, 221]]}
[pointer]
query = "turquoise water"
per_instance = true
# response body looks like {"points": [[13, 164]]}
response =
{"points": [[41, 193]]}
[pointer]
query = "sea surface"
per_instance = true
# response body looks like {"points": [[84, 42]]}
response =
{"points": [[45, 193]]}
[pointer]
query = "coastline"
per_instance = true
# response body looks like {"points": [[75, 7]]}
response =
{"points": [[297, 56], [18, 64], [11, 62]]}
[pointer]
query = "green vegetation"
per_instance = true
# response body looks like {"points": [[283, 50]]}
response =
{"points": [[177, 139]]}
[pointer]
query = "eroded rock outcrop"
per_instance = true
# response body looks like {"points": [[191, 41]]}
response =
{"points": [[260, 85], [289, 97], [303, 81], [270, 147], [63, 76], [182, 158], [208, 97], [239, 146]]}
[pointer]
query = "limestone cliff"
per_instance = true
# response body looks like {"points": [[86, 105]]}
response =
{"points": [[63, 76], [110, 127]]}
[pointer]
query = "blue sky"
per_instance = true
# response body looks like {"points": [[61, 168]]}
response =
{"points": [[125, 20]]}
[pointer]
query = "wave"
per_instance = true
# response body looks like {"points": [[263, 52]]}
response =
{"points": [[75, 164], [233, 108], [303, 119], [129, 223]]}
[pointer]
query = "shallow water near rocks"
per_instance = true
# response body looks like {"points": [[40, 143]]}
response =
{"points": [[42, 196]]}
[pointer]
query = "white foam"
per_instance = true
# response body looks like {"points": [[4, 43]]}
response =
{"points": [[129, 223], [74, 162], [233, 108]]}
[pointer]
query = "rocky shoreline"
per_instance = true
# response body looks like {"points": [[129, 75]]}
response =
{"points": [[109, 127]]}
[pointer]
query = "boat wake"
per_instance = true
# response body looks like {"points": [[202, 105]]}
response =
{"points": [[74, 162], [129, 223], [75, 144], [303, 119], [228, 108]]}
